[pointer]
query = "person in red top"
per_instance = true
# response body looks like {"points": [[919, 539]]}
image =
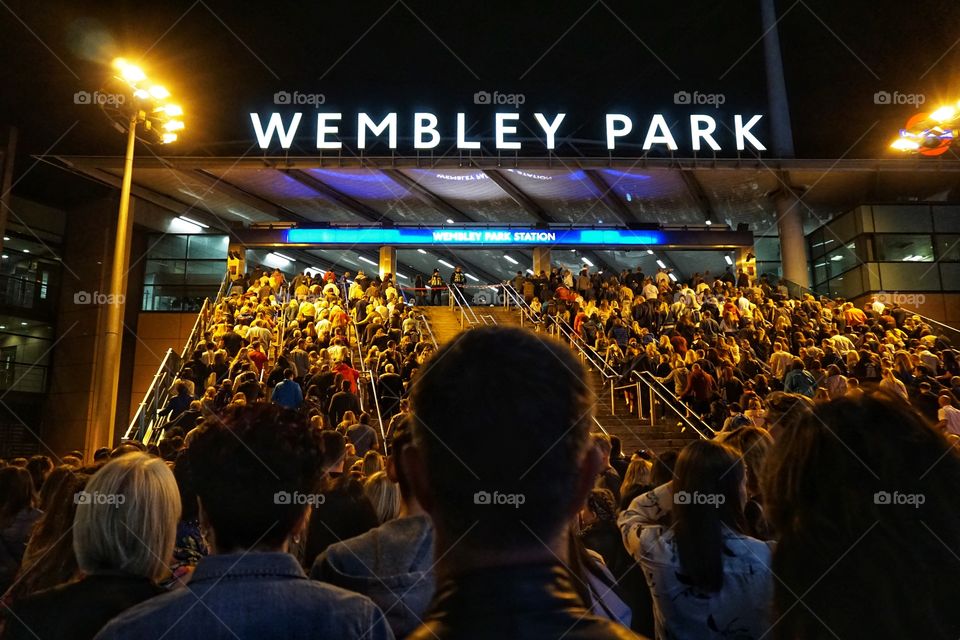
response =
{"points": [[346, 370], [257, 356], [700, 390]]}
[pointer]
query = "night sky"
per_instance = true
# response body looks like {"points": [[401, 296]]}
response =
{"points": [[225, 59]]}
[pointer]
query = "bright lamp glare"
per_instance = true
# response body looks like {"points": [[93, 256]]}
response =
{"points": [[904, 144], [169, 137], [943, 114], [159, 92], [172, 110], [729, 261], [509, 259], [141, 94], [173, 125], [129, 72]]}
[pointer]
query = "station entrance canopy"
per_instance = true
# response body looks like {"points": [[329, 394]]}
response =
{"points": [[474, 191]]}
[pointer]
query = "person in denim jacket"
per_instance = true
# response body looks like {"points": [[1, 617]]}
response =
{"points": [[255, 473]]}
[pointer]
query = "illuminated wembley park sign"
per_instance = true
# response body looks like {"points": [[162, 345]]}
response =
{"points": [[474, 237], [426, 131]]}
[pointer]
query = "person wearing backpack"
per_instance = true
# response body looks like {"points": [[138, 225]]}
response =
{"points": [[799, 380]]}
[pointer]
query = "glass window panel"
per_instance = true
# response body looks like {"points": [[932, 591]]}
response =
{"points": [[200, 272], [843, 258], [849, 285], [948, 247], [903, 248], [166, 246], [907, 276], [206, 247], [175, 298], [164, 272], [889, 218], [946, 218], [841, 229]]}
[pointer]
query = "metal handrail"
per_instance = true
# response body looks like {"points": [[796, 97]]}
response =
{"points": [[657, 388], [425, 321], [467, 313], [370, 374]]}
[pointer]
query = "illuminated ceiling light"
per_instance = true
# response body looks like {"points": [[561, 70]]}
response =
{"points": [[835, 258], [172, 110], [943, 114], [509, 259], [629, 197], [445, 263], [649, 252], [400, 275], [672, 277], [367, 260], [169, 137], [729, 261], [905, 144], [708, 222], [472, 277], [159, 92], [287, 258], [194, 222], [530, 271], [662, 266], [421, 251], [3, 326], [23, 324], [277, 256], [599, 221], [5, 256], [587, 262], [26, 250], [5, 238], [173, 125]]}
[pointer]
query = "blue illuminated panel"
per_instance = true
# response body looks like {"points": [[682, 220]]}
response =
{"points": [[475, 237]]}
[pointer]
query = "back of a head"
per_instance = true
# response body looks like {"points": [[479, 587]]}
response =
{"points": [[248, 470], [502, 447], [707, 502], [126, 518], [864, 495], [16, 492]]}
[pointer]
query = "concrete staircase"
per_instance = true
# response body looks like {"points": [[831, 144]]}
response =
{"points": [[444, 322], [634, 434]]}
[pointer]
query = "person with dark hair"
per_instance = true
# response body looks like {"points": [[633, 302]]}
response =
{"points": [[863, 494], [254, 473], [392, 563], [189, 547], [288, 393], [341, 402], [344, 511], [17, 517], [362, 436], [39, 468], [707, 578], [502, 513], [179, 401], [49, 558]]}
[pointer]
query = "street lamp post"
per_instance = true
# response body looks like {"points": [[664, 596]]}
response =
{"points": [[156, 117]]}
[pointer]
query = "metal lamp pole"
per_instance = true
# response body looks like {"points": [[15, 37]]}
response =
{"points": [[111, 339]]}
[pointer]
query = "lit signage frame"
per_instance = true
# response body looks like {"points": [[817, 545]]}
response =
{"points": [[467, 237]]}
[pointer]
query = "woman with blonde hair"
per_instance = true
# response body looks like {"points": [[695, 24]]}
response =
{"points": [[123, 536], [383, 494], [349, 419]]}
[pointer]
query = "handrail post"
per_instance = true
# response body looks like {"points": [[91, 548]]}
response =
{"points": [[613, 409], [653, 409]]}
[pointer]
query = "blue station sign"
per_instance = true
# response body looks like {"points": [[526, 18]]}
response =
{"points": [[466, 237]]}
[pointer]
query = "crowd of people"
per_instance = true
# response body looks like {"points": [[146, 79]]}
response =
{"points": [[275, 504]]}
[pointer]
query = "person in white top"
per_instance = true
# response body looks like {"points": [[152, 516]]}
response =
{"points": [[650, 291], [707, 578], [949, 416]]}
